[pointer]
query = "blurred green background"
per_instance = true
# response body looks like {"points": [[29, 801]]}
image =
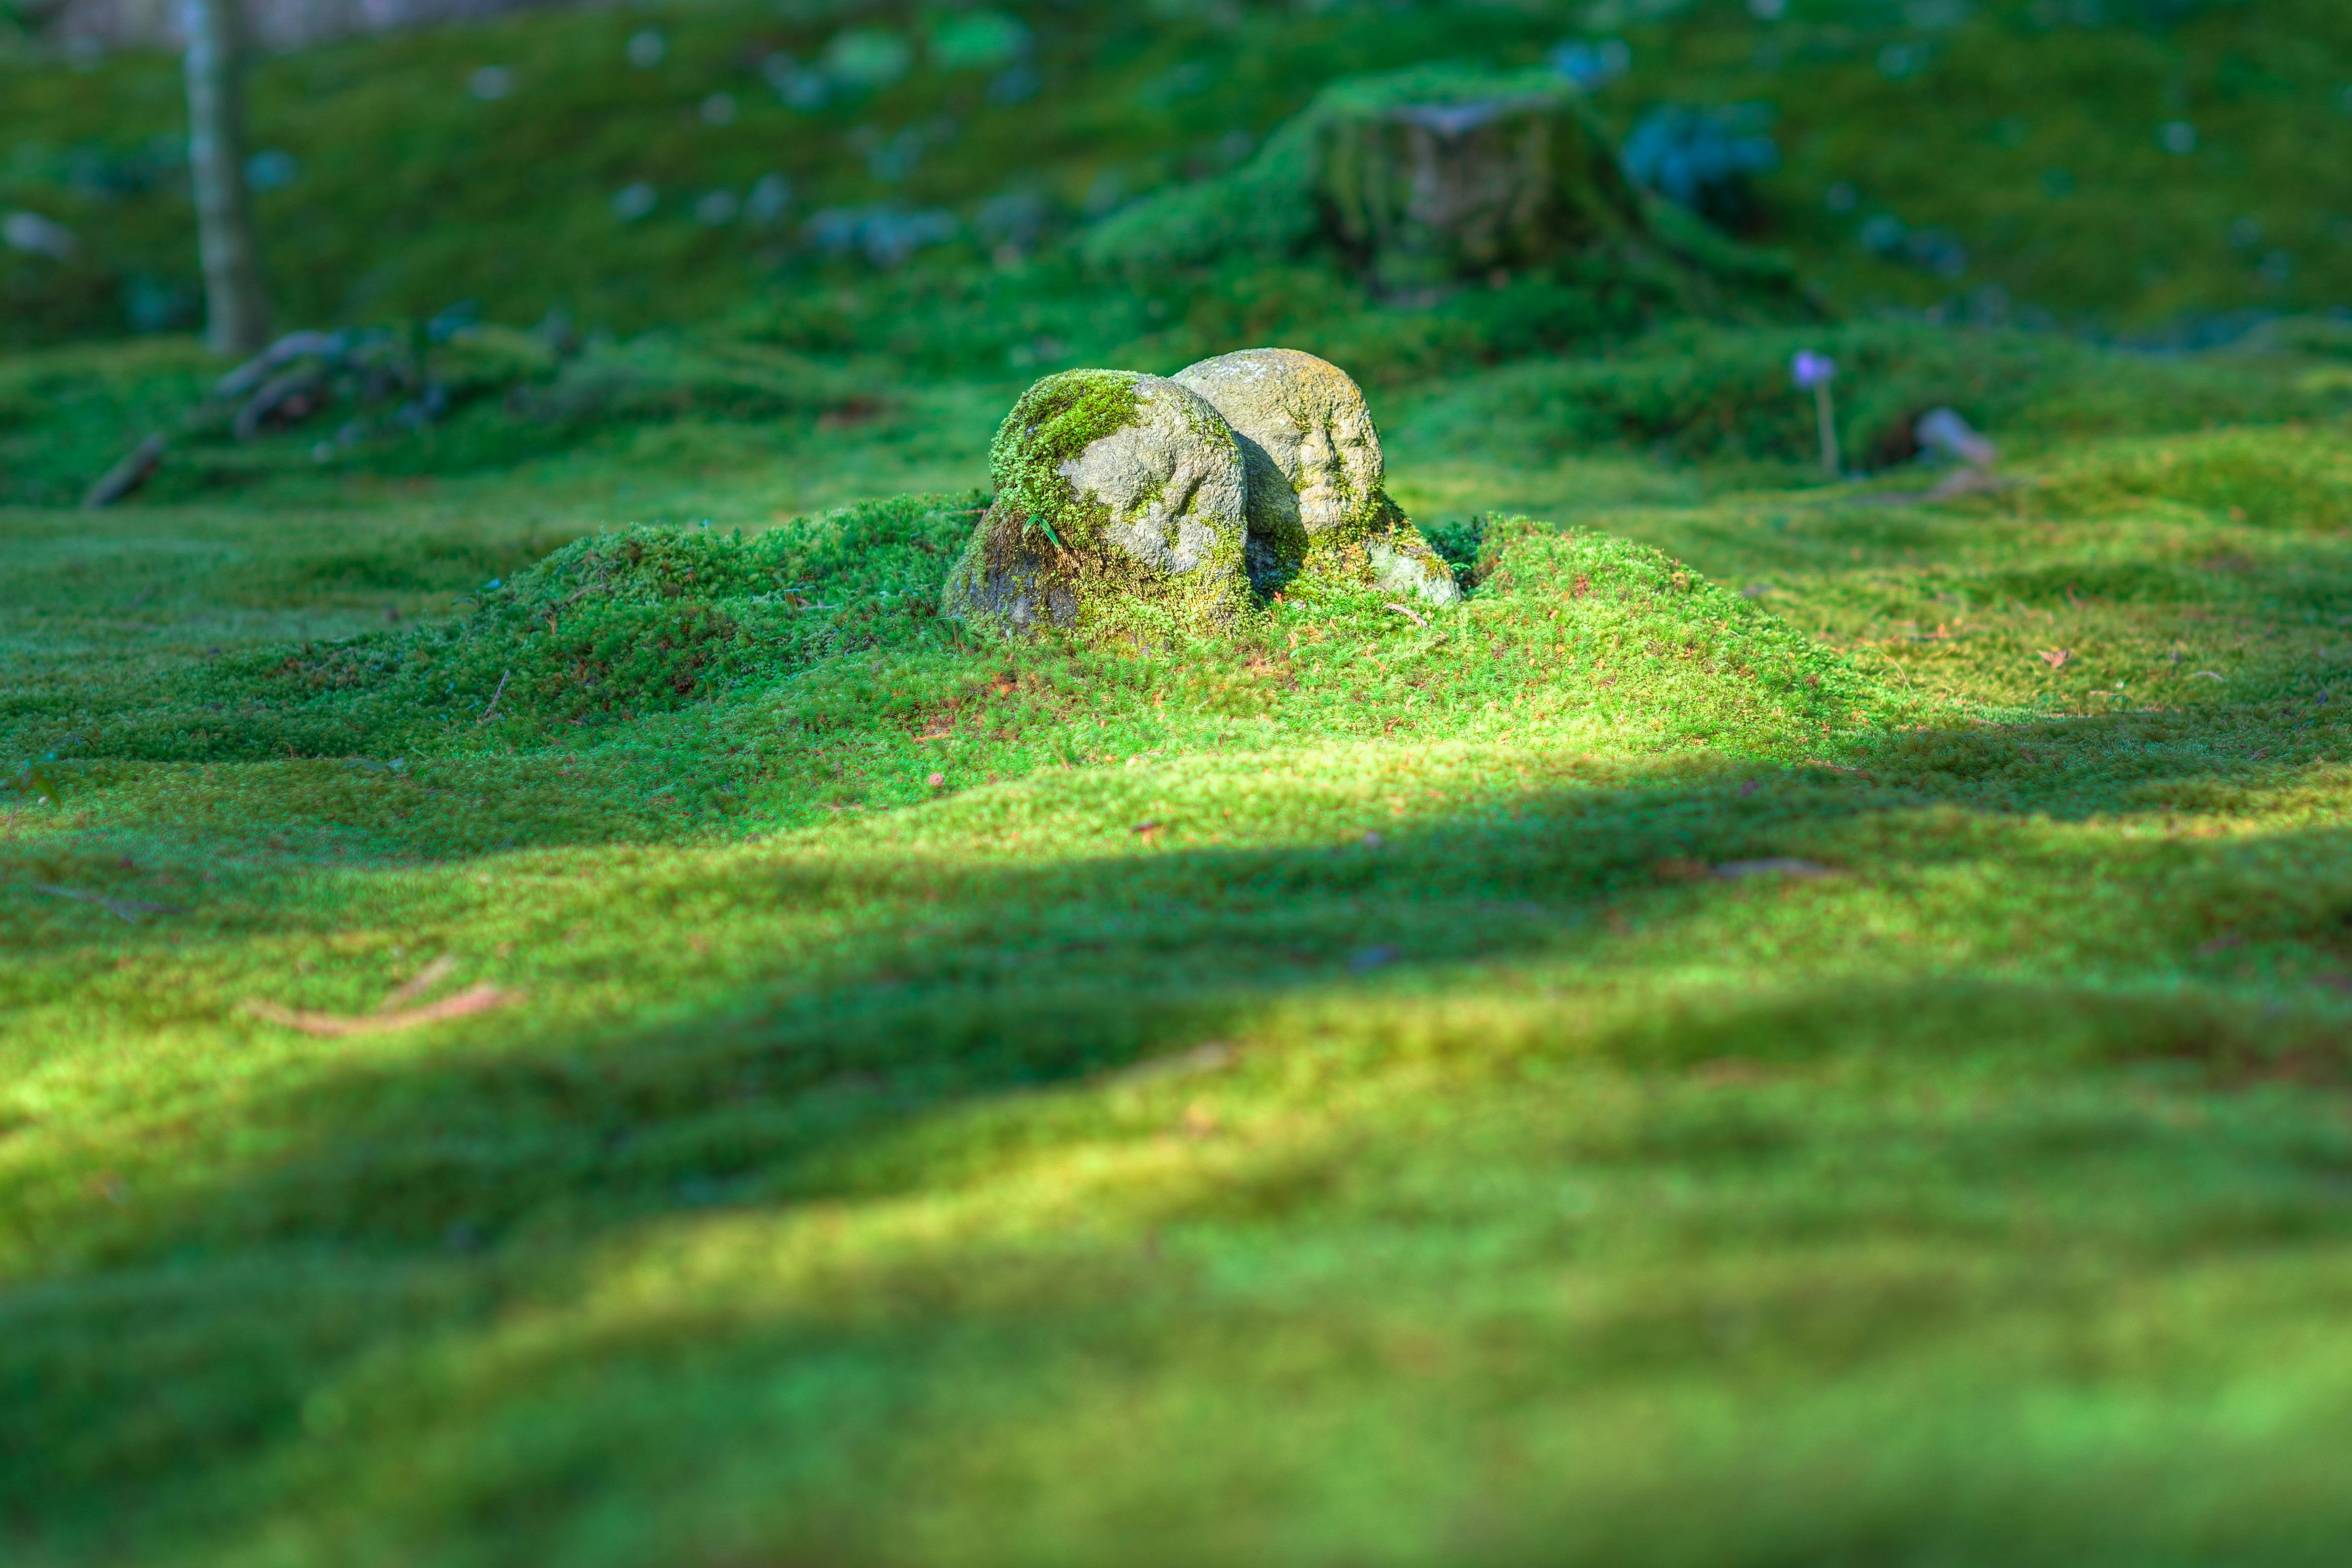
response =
{"points": [[2141, 167]]}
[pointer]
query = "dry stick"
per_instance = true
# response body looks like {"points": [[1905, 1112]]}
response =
{"points": [[427, 978], [127, 910], [501, 691], [1210, 1055], [1408, 615], [135, 470], [476, 999]]}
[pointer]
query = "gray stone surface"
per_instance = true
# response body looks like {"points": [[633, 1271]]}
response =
{"points": [[1308, 436], [1317, 498], [1171, 483], [1116, 493]]}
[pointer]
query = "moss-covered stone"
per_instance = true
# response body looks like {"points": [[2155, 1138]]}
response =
{"points": [[1120, 501], [1308, 446], [1398, 560], [1312, 458]]}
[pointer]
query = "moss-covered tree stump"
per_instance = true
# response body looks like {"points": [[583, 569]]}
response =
{"points": [[1312, 457], [1428, 179], [1432, 176], [1120, 505]]}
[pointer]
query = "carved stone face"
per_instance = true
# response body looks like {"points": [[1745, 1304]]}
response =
{"points": [[1114, 490], [1172, 481], [1336, 472], [1312, 453]]}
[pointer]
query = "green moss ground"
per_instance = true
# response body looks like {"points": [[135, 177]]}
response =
{"points": [[1803, 1024], [1311, 1101]]}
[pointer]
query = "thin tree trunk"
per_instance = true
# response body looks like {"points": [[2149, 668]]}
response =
{"points": [[236, 310]]}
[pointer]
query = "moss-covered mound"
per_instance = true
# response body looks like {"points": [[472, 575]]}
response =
{"points": [[609, 627], [1421, 178], [1120, 499]]}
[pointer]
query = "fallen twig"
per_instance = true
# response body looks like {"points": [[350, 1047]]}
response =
{"points": [[464, 1003], [135, 470], [127, 910], [1770, 866], [501, 691], [1407, 611], [427, 978], [1212, 1056]]}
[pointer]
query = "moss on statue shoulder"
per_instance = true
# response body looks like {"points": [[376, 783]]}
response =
{"points": [[1054, 422], [1120, 504]]}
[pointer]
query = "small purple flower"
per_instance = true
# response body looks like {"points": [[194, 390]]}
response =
{"points": [[1810, 369]]}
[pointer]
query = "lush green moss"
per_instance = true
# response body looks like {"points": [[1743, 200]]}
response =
{"points": [[1697, 394], [612, 627], [1801, 1023], [1748, 850], [1335, 185], [1264, 211]]}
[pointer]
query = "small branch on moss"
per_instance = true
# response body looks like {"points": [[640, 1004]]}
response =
{"points": [[128, 475], [424, 980], [1410, 616], [501, 691], [464, 1003], [127, 909]]}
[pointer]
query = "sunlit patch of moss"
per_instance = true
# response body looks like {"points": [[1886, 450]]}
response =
{"points": [[1700, 394], [1311, 963]]}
